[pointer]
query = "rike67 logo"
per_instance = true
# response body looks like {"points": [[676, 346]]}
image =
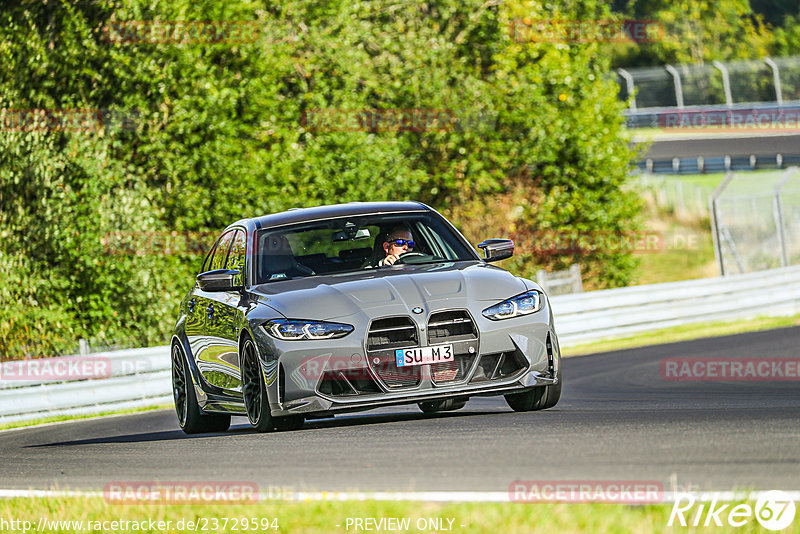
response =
{"points": [[774, 510]]}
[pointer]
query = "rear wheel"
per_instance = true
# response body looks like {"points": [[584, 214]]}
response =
{"points": [[191, 419], [538, 398], [445, 405]]}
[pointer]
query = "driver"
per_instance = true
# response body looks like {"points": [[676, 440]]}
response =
{"points": [[398, 241]]}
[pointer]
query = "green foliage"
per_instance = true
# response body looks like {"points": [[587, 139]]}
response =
{"points": [[696, 31], [217, 134], [787, 37]]}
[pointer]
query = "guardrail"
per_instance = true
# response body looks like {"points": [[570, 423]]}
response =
{"points": [[718, 164], [131, 378], [752, 115], [141, 377], [614, 313]]}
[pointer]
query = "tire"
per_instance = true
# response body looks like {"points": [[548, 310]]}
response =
{"points": [[254, 391], [191, 419], [538, 398], [445, 405]]}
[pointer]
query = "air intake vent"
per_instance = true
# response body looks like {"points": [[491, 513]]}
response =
{"points": [[392, 333], [386, 335], [450, 326], [348, 382], [456, 327], [499, 366]]}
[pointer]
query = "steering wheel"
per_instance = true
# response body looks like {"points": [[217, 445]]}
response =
{"points": [[401, 258]]}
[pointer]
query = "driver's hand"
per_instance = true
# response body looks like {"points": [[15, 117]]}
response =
{"points": [[389, 260]]}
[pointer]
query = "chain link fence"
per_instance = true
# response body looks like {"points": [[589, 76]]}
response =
{"points": [[756, 221], [683, 198], [769, 80]]}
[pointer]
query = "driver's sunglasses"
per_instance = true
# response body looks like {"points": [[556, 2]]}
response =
{"points": [[401, 242]]}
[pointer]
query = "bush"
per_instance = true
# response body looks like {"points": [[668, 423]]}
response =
{"points": [[203, 134]]}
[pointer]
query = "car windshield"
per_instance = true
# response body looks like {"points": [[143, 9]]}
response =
{"points": [[354, 244]]}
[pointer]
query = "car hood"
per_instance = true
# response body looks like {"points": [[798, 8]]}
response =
{"points": [[392, 291]]}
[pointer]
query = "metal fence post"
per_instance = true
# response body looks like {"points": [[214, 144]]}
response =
{"points": [[676, 78], [631, 88], [712, 210], [778, 214], [577, 281], [541, 279], [726, 82], [776, 79]]}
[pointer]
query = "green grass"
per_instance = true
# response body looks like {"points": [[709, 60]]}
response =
{"points": [[747, 181], [709, 181], [683, 333], [687, 252], [324, 516], [61, 418]]}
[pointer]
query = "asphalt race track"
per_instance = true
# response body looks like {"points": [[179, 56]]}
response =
{"points": [[617, 420], [731, 146]]}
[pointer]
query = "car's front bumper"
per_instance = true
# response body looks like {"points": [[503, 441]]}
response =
{"points": [[318, 403], [295, 371]]}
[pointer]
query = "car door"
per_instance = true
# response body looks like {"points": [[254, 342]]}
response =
{"points": [[225, 313], [202, 325]]}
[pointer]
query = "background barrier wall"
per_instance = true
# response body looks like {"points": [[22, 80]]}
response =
{"points": [[141, 377]]}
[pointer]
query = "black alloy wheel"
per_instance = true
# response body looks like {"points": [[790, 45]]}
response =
{"points": [[190, 418]]}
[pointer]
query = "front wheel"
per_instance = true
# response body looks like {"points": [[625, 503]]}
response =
{"points": [[191, 419], [254, 391], [538, 398]]}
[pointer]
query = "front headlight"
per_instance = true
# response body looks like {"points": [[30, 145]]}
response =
{"points": [[528, 302], [292, 330]]}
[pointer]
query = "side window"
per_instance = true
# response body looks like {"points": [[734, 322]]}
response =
{"points": [[237, 255], [221, 252], [207, 262]]}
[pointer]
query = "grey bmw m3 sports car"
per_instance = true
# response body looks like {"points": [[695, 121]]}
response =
{"points": [[303, 314]]}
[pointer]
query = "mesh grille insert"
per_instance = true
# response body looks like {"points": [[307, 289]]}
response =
{"points": [[447, 327], [384, 336], [394, 332], [450, 324]]}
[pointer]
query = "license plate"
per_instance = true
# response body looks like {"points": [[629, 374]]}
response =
{"points": [[423, 355]]}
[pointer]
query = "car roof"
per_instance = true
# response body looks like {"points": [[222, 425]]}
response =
{"points": [[316, 213]]}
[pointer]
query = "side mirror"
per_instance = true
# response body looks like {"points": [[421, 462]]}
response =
{"points": [[497, 249], [218, 280]]}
